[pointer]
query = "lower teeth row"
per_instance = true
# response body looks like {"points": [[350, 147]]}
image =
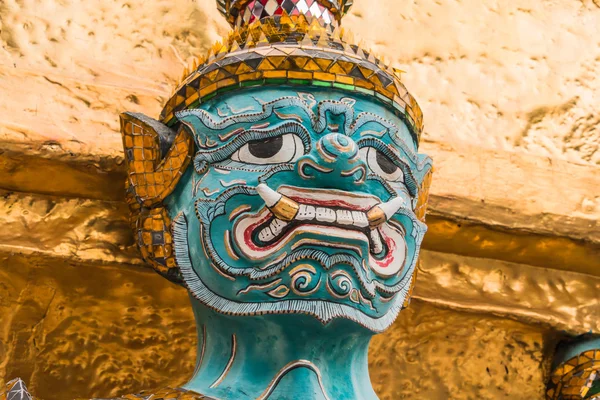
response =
{"points": [[276, 227], [272, 231]]}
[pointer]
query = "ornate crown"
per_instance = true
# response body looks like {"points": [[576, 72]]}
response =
{"points": [[291, 42]]}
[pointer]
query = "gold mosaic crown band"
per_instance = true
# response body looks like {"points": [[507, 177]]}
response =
{"points": [[293, 50]]}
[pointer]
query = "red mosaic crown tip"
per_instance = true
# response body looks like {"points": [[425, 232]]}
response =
{"points": [[243, 12]]}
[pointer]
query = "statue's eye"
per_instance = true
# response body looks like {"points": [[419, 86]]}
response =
{"points": [[273, 150], [381, 164]]}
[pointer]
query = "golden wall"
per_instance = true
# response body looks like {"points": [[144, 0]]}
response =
{"points": [[511, 262]]}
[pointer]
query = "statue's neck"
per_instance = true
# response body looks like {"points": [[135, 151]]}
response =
{"points": [[289, 357]]}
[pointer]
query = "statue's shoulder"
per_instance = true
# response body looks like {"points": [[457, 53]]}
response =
{"points": [[16, 390]]}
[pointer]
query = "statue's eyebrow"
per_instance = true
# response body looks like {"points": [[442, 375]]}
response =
{"points": [[365, 118], [215, 122], [403, 150], [216, 154]]}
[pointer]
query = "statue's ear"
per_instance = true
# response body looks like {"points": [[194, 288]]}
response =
{"points": [[420, 211], [156, 158], [423, 197], [155, 155]]}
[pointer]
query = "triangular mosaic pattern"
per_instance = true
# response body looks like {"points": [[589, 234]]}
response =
{"points": [[236, 11], [290, 50], [284, 49], [577, 378], [260, 9]]}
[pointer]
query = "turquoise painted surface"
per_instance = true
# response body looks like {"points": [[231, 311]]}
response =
{"points": [[265, 345], [574, 347], [303, 299]]}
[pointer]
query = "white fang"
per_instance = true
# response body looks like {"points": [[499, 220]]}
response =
{"points": [[270, 196], [389, 208]]}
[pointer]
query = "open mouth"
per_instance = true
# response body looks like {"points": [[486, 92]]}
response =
{"points": [[329, 218], [350, 217]]}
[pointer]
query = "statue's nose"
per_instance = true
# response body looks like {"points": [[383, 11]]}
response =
{"points": [[333, 162]]}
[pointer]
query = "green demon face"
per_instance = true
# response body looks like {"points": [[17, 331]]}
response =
{"points": [[299, 202]]}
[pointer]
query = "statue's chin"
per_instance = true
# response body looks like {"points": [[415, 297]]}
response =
{"points": [[325, 263], [312, 279], [327, 294], [322, 310]]}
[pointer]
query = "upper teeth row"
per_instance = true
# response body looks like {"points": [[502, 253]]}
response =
{"points": [[287, 210], [322, 214]]}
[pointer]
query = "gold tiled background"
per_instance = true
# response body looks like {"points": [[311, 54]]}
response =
{"points": [[81, 317]]}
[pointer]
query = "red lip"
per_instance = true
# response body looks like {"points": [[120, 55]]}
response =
{"points": [[389, 257], [329, 203], [248, 234]]}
